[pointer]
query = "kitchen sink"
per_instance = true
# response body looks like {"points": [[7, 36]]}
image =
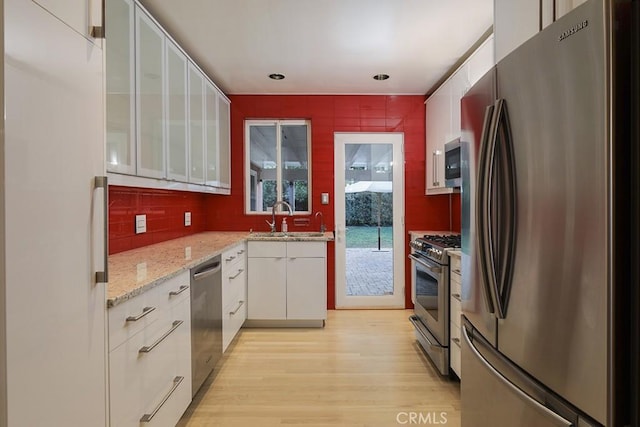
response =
{"points": [[292, 234]]}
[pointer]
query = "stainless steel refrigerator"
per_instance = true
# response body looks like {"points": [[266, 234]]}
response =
{"points": [[549, 218]]}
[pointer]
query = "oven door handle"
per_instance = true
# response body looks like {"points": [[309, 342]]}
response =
{"points": [[432, 268]]}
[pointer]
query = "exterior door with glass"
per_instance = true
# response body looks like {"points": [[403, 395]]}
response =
{"points": [[369, 220]]}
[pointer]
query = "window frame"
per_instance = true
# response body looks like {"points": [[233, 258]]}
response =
{"points": [[279, 166]]}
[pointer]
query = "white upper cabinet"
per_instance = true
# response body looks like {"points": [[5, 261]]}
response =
{"points": [[443, 113], [481, 61], [150, 81], [224, 141], [196, 126], [120, 87], [176, 120], [438, 122], [211, 135], [167, 123], [81, 15], [516, 21]]}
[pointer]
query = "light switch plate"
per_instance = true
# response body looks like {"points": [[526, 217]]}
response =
{"points": [[325, 198], [187, 219], [141, 224]]}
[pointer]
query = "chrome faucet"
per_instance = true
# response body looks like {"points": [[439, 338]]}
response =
{"points": [[322, 227], [272, 224]]}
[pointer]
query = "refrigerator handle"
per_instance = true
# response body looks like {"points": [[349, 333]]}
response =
{"points": [[483, 248], [558, 419], [504, 212]]}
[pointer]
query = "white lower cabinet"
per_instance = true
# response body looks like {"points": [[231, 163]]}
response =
{"points": [[287, 280], [455, 314], [234, 292], [150, 372]]}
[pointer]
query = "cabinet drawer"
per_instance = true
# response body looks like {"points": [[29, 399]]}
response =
{"points": [[144, 309], [456, 310], [174, 290], [306, 249], [234, 286], [456, 286], [178, 392], [454, 359], [138, 380], [456, 265], [267, 249], [455, 333], [233, 318], [237, 254], [132, 316]]}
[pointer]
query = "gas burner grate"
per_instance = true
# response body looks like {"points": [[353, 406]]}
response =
{"points": [[447, 241]]}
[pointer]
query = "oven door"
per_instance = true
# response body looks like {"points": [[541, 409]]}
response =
{"points": [[431, 292]]}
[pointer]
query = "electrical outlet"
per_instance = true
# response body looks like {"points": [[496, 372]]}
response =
{"points": [[141, 224], [187, 219], [187, 252], [324, 198]]}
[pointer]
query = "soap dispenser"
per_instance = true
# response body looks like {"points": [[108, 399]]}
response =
{"points": [[284, 225]]}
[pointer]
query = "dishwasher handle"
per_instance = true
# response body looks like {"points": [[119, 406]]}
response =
{"points": [[207, 271]]}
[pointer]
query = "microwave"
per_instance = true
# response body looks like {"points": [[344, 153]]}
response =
{"points": [[452, 171]]}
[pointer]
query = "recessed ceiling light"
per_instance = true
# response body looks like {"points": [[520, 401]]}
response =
{"points": [[276, 76], [381, 77]]}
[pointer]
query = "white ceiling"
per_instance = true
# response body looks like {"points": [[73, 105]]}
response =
{"points": [[325, 46]]}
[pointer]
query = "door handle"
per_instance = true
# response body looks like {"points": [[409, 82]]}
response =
{"points": [[102, 182], [237, 274], [504, 210], [433, 168], [511, 386], [145, 311], [179, 291], [480, 213], [208, 272], [148, 417]]}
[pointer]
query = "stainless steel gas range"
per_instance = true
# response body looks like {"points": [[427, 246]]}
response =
{"points": [[430, 294]]}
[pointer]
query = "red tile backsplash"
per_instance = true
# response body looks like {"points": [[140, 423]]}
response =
{"points": [[328, 114], [165, 216]]}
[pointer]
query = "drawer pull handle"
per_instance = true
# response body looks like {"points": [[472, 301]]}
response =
{"points": [[236, 275], [457, 296], [179, 291], [145, 311], [457, 271], [236, 310], [456, 340], [240, 252], [231, 258], [148, 417], [148, 348]]}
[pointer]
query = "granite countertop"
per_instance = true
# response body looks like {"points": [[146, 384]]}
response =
{"points": [[138, 270], [133, 272]]}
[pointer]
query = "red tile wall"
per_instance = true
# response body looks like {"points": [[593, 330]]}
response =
{"points": [[165, 216], [329, 114]]}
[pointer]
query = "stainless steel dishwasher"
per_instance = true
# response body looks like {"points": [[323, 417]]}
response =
{"points": [[206, 320]]}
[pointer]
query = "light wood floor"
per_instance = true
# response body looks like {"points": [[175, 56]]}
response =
{"points": [[363, 369]]}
